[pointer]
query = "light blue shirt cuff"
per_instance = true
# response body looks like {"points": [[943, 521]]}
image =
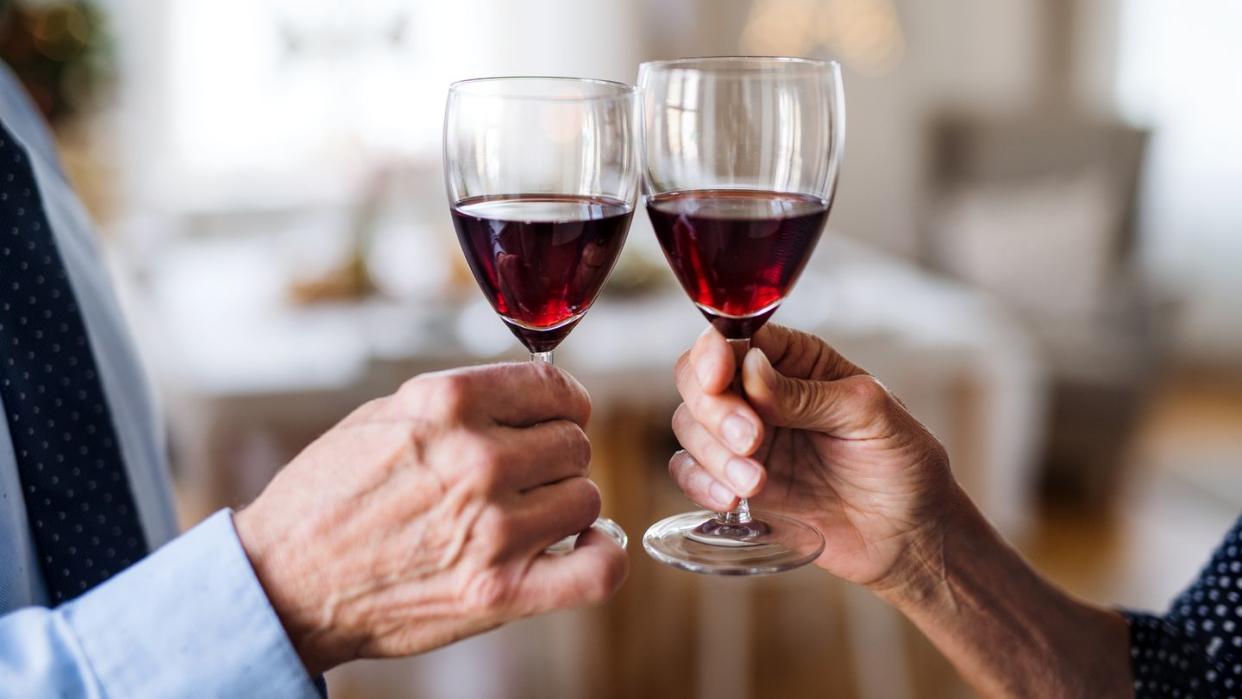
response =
{"points": [[189, 620]]}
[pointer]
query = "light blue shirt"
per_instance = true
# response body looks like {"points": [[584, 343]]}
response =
{"points": [[191, 619]]}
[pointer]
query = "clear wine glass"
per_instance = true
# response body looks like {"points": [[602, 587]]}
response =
{"points": [[542, 176], [742, 155]]}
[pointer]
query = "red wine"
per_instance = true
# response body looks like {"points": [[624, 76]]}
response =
{"points": [[541, 259], [737, 252]]}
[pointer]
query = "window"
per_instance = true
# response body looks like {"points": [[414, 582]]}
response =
{"points": [[1178, 73], [238, 100]]}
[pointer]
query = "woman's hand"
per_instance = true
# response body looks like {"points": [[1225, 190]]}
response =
{"points": [[820, 439], [816, 438]]}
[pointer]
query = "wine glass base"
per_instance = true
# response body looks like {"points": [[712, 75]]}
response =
{"points": [[603, 524], [696, 542], [718, 533]]}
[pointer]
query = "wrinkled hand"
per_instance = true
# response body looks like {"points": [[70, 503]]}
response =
{"points": [[816, 438], [422, 517]]}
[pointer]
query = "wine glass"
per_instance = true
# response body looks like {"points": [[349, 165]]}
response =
{"points": [[742, 154], [542, 177]]}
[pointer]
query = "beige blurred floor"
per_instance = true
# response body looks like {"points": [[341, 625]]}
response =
{"points": [[1183, 490]]}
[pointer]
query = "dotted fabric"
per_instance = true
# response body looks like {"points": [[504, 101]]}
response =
{"points": [[78, 501], [1196, 649]]}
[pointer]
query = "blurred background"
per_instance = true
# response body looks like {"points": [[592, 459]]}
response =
{"points": [[1037, 243]]}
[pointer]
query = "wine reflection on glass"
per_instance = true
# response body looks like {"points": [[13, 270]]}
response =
{"points": [[742, 155], [542, 178]]}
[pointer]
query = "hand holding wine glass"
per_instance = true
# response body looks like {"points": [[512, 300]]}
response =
{"points": [[542, 178], [832, 447], [422, 517], [844, 455], [742, 160]]}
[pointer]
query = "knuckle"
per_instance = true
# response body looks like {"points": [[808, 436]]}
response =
{"points": [[592, 501], [444, 393], [493, 526], [482, 461], [683, 363], [696, 482], [368, 410], [682, 417], [938, 455], [370, 406], [578, 445], [679, 463], [578, 396], [598, 587], [868, 390], [545, 373], [605, 579], [689, 475], [584, 502], [487, 592], [567, 388], [802, 399]]}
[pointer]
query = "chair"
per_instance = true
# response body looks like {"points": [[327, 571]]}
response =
{"points": [[1038, 210]]}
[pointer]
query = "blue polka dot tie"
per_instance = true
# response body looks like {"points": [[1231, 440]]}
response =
{"points": [[78, 501]]}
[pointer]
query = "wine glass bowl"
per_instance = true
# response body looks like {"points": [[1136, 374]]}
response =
{"points": [[742, 155], [542, 178], [541, 259], [737, 252]]}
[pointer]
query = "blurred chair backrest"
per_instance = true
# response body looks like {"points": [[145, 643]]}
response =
{"points": [[1042, 195], [976, 149]]}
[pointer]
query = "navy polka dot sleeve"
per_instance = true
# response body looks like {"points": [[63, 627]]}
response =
{"points": [[1195, 650]]}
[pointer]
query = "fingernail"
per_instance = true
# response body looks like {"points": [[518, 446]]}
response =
{"points": [[738, 432], [758, 361], [720, 494], [759, 356], [743, 474]]}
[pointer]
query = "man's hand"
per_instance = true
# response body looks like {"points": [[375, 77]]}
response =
{"points": [[817, 438], [422, 517]]}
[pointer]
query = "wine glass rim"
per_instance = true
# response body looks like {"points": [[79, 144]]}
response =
{"points": [[613, 89], [695, 61]]}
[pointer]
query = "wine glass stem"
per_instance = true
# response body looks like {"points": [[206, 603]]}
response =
{"points": [[738, 515], [545, 357], [741, 513]]}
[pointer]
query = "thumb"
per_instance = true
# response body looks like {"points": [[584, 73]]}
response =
{"points": [[850, 408], [589, 574]]}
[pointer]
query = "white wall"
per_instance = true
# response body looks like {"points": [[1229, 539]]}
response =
{"points": [[957, 53], [960, 54], [1178, 72]]}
